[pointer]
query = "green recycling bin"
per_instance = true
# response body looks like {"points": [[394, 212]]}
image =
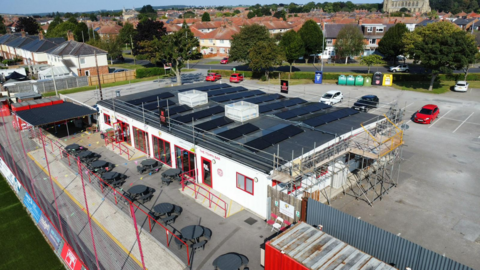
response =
{"points": [[350, 80], [342, 80], [359, 80], [367, 81]]}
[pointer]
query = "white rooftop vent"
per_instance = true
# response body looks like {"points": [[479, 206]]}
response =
{"points": [[193, 98], [241, 111]]}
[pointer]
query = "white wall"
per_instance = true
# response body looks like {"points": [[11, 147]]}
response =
{"points": [[89, 60], [225, 184]]}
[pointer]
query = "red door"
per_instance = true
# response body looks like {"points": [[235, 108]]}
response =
{"points": [[207, 172]]}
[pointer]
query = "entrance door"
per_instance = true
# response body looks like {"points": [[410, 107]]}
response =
{"points": [[207, 172], [125, 132], [185, 161]]}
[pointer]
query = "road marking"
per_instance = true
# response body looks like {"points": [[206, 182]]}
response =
{"points": [[85, 211], [409, 105], [471, 123], [408, 122], [463, 122], [383, 106], [439, 119]]}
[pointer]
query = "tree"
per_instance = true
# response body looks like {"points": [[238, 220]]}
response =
{"points": [[113, 47], [236, 11], [404, 10], [81, 32], [292, 46], [56, 21], [188, 14], [3, 28], [72, 20], [27, 24], [205, 17], [251, 14], [147, 9], [248, 37], [93, 17], [175, 49], [265, 55], [440, 47], [312, 37], [147, 30], [127, 33], [280, 15], [350, 41], [62, 29], [392, 42], [371, 60]]}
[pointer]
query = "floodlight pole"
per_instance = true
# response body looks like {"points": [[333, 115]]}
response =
{"points": [[98, 76]]}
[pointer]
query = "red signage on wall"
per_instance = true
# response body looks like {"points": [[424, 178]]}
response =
{"points": [[284, 86], [220, 172], [70, 258]]}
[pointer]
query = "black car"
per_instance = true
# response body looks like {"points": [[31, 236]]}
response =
{"points": [[366, 103]]}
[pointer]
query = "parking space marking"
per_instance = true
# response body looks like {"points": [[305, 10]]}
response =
{"points": [[409, 105], [463, 122], [439, 118], [471, 123], [383, 106]]}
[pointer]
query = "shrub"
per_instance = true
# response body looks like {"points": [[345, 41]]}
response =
{"points": [[149, 72], [142, 57]]}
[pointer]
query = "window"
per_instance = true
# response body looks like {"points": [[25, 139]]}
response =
{"points": [[379, 29], [221, 41], [185, 161], [161, 150], [106, 119], [245, 183], [222, 50], [140, 138], [370, 29], [211, 40], [373, 41], [82, 60], [329, 41]]}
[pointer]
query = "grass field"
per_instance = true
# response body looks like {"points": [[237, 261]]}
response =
{"points": [[22, 245]]}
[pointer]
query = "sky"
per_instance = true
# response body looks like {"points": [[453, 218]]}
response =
{"points": [[43, 6]]}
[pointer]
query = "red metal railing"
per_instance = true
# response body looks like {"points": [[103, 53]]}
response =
{"points": [[121, 148], [114, 195], [187, 181]]}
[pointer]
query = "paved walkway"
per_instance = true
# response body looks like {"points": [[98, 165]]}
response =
{"points": [[113, 221]]}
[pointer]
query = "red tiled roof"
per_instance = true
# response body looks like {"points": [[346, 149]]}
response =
{"points": [[109, 30], [222, 33]]}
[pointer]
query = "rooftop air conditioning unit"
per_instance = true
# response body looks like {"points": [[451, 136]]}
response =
{"points": [[241, 111], [193, 98]]}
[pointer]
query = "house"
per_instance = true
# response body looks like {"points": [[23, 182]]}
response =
{"points": [[373, 31], [206, 27], [466, 24], [34, 53], [78, 57], [130, 14], [108, 32], [217, 41]]}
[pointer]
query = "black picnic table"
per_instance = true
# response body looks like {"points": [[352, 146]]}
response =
{"points": [[137, 190], [172, 172], [163, 208], [109, 176], [72, 147], [149, 162], [192, 232], [85, 154], [99, 164], [229, 261]]}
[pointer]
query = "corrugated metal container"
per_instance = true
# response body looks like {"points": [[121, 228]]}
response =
{"points": [[304, 247], [35, 104], [56, 100], [20, 106], [43, 102]]}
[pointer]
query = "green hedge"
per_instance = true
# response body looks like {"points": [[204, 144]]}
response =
{"points": [[399, 77], [149, 72]]}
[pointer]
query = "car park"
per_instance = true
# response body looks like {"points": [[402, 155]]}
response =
{"points": [[332, 97], [427, 114], [400, 68], [236, 77], [366, 103], [213, 77], [224, 60], [461, 86]]}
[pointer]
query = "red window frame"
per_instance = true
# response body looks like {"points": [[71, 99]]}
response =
{"points": [[192, 171], [147, 143], [164, 150], [245, 183], [107, 119]]}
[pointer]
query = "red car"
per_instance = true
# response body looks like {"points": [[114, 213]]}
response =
{"points": [[224, 60], [213, 77], [236, 77], [427, 114]]}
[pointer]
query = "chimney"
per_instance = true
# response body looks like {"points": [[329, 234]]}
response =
{"points": [[9, 31], [360, 22], [23, 33], [40, 35], [70, 36]]}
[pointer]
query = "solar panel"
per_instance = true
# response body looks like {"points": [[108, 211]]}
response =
{"points": [[302, 111], [330, 117], [199, 114], [154, 106], [264, 98], [207, 87], [236, 96], [294, 101], [226, 91], [148, 99], [215, 123], [239, 131], [179, 109], [274, 137]]}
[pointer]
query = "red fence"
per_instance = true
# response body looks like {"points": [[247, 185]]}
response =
{"points": [[121, 148], [187, 181], [109, 192]]}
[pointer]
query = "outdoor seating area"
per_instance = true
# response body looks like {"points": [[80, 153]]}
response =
{"points": [[195, 236], [171, 175], [149, 166], [231, 261], [278, 224], [166, 212], [114, 179], [140, 193]]}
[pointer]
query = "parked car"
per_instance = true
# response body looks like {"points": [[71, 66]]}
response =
{"points": [[224, 60], [236, 77], [427, 114], [213, 77], [461, 86], [332, 97], [401, 57], [119, 70], [399, 68], [366, 103]]}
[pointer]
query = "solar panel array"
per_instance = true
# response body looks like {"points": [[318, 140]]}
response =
{"points": [[302, 111], [262, 99], [280, 105], [200, 114], [152, 98], [153, 106], [226, 91], [207, 87], [237, 96], [330, 117], [237, 132], [179, 109], [213, 124], [273, 138]]}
